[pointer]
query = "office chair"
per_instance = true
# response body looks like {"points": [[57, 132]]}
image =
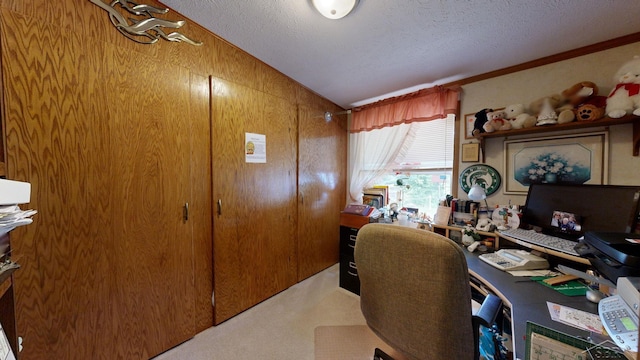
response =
{"points": [[415, 293]]}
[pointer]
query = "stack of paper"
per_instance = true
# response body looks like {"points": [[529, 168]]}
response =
{"points": [[11, 216], [577, 318]]}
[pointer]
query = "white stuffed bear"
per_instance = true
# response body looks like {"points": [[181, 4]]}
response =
{"points": [[496, 120], [625, 97], [518, 117], [485, 224]]}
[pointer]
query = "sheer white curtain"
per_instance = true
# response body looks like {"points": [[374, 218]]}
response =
{"points": [[372, 153]]}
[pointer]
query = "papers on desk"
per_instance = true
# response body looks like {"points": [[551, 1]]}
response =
{"points": [[533, 273], [5, 349], [11, 217], [577, 318]]}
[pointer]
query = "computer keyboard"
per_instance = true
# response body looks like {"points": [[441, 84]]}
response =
{"points": [[547, 241]]}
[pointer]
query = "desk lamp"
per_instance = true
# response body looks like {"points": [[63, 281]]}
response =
{"points": [[477, 193]]}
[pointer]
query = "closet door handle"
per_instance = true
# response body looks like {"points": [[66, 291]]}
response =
{"points": [[219, 207]]}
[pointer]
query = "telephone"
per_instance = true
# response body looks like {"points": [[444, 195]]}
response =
{"points": [[619, 314], [509, 259]]}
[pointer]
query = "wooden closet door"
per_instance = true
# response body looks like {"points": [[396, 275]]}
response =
{"points": [[102, 133], [200, 208], [254, 204], [322, 183], [154, 294]]}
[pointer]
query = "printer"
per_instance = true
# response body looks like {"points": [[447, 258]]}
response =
{"points": [[612, 254]]}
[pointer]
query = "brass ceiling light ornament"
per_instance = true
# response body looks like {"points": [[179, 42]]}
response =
{"points": [[334, 9], [145, 29]]}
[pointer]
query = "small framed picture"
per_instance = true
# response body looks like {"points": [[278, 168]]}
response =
{"points": [[471, 152], [469, 120]]}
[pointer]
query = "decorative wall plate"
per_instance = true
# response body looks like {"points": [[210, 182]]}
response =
{"points": [[483, 175]]}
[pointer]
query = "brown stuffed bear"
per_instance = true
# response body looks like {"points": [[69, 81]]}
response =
{"points": [[587, 105], [580, 92], [592, 109]]}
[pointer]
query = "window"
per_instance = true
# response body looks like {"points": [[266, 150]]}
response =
{"points": [[422, 177]]}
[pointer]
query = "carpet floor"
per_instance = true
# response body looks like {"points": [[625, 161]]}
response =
{"points": [[350, 342], [282, 327]]}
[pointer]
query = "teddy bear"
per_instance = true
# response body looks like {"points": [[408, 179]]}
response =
{"points": [[480, 120], [518, 117], [592, 109], [496, 120], [485, 224], [624, 98], [587, 105]]}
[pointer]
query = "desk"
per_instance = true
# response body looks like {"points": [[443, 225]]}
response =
{"points": [[527, 300]]}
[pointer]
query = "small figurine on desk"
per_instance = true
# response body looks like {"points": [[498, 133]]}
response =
{"points": [[470, 238], [393, 211], [506, 217], [469, 235]]}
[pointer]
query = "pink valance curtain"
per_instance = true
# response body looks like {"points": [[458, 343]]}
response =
{"points": [[423, 105]]}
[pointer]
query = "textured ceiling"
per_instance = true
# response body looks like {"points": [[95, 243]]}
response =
{"points": [[390, 47]]}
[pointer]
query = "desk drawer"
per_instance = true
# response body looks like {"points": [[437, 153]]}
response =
{"points": [[347, 239], [349, 274]]}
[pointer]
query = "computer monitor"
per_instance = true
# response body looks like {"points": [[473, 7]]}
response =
{"points": [[569, 211]]}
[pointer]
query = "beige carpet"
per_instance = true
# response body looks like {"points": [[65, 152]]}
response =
{"points": [[280, 328], [351, 342]]}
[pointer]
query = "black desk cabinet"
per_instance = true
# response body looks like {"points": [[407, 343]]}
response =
{"points": [[348, 272]]}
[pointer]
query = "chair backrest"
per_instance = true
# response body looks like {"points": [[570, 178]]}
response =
{"points": [[414, 291]]}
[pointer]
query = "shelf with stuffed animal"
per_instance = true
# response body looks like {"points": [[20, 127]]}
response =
{"points": [[604, 121], [578, 107]]}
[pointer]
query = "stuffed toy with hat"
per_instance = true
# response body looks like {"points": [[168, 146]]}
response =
{"points": [[546, 110], [624, 98]]}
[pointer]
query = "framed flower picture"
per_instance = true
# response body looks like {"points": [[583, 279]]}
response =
{"points": [[568, 159]]}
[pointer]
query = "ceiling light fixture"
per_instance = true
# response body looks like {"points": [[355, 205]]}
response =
{"points": [[334, 9]]}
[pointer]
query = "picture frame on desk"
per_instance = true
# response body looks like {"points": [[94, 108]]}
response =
{"points": [[565, 159], [375, 201]]}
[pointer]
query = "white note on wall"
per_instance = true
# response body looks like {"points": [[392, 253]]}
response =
{"points": [[255, 148]]}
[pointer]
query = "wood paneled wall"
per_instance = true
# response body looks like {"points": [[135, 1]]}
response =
{"points": [[322, 151], [114, 137]]}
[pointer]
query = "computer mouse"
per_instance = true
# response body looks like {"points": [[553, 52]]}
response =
{"points": [[594, 296]]}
